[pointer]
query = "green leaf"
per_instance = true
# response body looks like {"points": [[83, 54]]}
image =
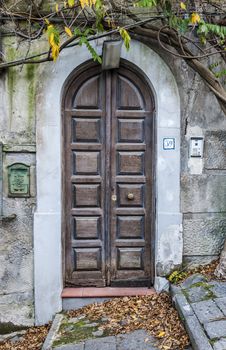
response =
{"points": [[146, 3], [71, 3], [125, 37]]}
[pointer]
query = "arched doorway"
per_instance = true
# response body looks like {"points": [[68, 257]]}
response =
{"points": [[108, 176]]}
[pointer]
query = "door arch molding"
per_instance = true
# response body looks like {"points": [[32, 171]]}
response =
{"points": [[48, 281]]}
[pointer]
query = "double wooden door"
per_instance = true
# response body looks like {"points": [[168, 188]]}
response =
{"points": [[108, 179]]}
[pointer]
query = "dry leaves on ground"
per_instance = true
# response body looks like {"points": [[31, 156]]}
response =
{"points": [[32, 340], [153, 313], [206, 270]]}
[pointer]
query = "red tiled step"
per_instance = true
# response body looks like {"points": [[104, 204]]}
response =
{"points": [[92, 292]]}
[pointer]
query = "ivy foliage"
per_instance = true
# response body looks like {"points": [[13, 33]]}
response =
{"points": [[178, 15]]}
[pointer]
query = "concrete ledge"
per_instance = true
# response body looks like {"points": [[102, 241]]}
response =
{"points": [[52, 332], [196, 333]]}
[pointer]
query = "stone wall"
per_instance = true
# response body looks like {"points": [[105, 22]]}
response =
{"points": [[17, 134]]}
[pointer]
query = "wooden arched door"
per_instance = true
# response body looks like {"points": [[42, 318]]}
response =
{"points": [[108, 178]]}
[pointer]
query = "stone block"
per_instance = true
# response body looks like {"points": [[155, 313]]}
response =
{"points": [[107, 343], [221, 303], [53, 332], [220, 344], [174, 290], [215, 150], [196, 260], [196, 278], [136, 340], [17, 308], [77, 303], [216, 329], [203, 193], [161, 284], [79, 346], [196, 294], [204, 235], [207, 311], [183, 306], [197, 335], [218, 289]]}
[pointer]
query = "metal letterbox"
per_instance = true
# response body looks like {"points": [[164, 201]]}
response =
{"points": [[19, 180]]}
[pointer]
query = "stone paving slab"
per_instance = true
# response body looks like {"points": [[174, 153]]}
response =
{"points": [[215, 329], [202, 307], [207, 311], [71, 347], [221, 303], [106, 343], [218, 289], [195, 294], [138, 340], [220, 344]]}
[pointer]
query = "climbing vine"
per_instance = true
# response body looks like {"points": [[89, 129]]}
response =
{"points": [[191, 30]]}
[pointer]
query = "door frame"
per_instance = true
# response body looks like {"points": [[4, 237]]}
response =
{"points": [[90, 65], [47, 235]]}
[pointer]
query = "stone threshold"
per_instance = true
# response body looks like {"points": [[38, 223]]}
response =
{"points": [[107, 292]]}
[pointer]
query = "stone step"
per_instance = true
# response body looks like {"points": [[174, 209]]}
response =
{"points": [[75, 298]]}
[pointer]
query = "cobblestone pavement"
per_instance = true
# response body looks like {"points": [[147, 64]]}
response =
{"points": [[202, 305], [79, 333]]}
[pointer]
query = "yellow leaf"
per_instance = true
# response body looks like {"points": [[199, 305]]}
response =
{"points": [[88, 3], [68, 31], [183, 6], [57, 8], [55, 52], [195, 18], [47, 21], [161, 334], [71, 3], [51, 39]]}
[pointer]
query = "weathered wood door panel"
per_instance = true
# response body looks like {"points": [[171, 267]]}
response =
{"points": [[108, 187]]}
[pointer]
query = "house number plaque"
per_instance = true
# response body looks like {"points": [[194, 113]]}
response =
{"points": [[19, 180]]}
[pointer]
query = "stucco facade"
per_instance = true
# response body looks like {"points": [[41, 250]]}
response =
{"points": [[190, 192]]}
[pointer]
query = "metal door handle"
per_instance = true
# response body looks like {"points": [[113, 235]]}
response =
{"points": [[130, 196], [114, 198]]}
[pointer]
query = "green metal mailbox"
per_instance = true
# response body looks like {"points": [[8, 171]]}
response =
{"points": [[19, 180]]}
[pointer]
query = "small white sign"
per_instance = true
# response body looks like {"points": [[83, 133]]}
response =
{"points": [[168, 143]]}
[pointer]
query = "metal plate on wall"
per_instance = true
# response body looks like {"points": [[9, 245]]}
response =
{"points": [[19, 180]]}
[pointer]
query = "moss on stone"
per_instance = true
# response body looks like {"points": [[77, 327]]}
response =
{"points": [[30, 77], [11, 82], [75, 332], [210, 294], [9, 327]]}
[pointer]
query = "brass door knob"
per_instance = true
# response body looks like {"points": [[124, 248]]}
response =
{"points": [[130, 196]]}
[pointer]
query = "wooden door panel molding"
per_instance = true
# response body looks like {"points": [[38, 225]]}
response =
{"points": [[109, 152], [130, 163], [130, 258], [135, 191], [88, 96], [87, 259], [130, 130], [128, 95], [86, 227], [85, 130], [86, 195], [130, 227], [86, 163]]}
